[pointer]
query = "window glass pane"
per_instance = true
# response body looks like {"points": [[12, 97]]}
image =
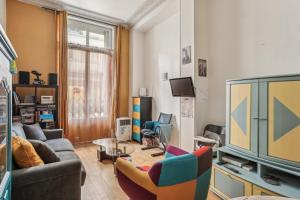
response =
{"points": [[99, 84], [96, 40], [76, 84], [90, 34], [76, 33]]}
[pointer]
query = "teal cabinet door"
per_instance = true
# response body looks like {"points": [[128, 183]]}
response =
{"points": [[280, 120], [242, 115]]}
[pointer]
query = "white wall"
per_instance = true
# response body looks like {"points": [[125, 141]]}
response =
{"points": [[162, 54], [249, 38], [136, 64], [187, 32], [3, 13]]}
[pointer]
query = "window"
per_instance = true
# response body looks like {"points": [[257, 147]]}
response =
{"points": [[90, 68], [90, 34]]}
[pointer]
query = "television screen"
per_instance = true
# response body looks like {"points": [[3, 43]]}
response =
{"points": [[182, 87]]}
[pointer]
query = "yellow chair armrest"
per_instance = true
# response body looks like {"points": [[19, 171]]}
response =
{"points": [[139, 177]]}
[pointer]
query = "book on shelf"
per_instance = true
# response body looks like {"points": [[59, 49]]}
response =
{"points": [[16, 98]]}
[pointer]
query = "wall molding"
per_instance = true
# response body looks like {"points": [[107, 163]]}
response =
{"points": [[144, 9], [6, 47]]}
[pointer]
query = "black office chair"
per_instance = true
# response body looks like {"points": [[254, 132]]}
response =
{"points": [[154, 130], [213, 135]]}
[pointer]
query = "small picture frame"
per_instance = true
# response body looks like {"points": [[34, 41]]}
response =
{"points": [[202, 67], [186, 55]]}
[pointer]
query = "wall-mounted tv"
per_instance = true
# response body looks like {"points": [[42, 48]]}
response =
{"points": [[182, 87]]}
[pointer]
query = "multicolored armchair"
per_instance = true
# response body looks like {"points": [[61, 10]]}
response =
{"points": [[180, 176]]}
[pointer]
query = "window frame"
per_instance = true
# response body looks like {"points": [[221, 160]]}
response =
{"points": [[91, 49]]}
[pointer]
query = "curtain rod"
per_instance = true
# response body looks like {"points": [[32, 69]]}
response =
{"points": [[94, 20], [83, 17]]}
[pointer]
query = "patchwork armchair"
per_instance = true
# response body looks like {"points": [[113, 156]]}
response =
{"points": [[181, 175]]}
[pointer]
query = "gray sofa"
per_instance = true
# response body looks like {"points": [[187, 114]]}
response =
{"points": [[54, 181]]}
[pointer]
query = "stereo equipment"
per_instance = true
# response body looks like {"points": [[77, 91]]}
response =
{"points": [[52, 79], [47, 100], [24, 77]]}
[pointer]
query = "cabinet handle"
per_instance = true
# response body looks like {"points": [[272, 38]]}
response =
{"points": [[264, 119]]}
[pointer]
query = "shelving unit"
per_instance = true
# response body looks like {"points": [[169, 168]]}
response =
{"points": [[37, 106]]}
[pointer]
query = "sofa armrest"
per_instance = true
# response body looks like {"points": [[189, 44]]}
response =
{"points": [[139, 177], [59, 180], [43, 173], [53, 133]]}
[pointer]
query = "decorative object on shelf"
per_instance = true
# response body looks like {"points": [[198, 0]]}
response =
{"points": [[186, 55], [24, 77], [37, 80], [143, 92], [202, 67], [52, 79], [13, 67]]}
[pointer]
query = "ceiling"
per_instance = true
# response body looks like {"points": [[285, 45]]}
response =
{"points": [[121, 9], [124, 11]]}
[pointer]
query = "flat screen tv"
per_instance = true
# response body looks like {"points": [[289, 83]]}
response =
{"points": [[182, 87]]}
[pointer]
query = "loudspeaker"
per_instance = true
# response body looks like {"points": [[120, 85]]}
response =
{"points": [[24, 77], [52, 79]]}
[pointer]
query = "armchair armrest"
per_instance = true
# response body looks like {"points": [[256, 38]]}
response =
{"points": [[139, 177], [53, 133]]}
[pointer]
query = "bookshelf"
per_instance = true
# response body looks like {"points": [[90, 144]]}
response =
{"points": [[36, 109]]}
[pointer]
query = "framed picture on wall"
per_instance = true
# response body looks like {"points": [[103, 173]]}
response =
{"points": [[202, 67], [186, 55]]}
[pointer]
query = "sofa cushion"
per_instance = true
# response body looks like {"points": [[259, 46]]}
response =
{"points": [[60, 144], [70, 155], [47, 154], [34, 132], [24, 153], [18, 130]]}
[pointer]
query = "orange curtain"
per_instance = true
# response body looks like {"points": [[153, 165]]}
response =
{"points": [[122, 71], [62, 68]]}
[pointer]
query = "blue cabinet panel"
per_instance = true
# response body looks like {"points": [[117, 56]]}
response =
{"points": [[136, 108]]}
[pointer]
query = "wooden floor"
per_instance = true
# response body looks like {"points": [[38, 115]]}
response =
{"points": [[101, 184]]}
